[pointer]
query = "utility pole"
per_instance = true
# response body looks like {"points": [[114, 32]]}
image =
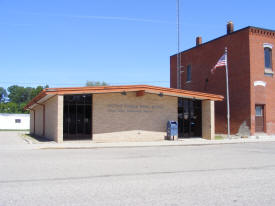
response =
{"points": [[178, 54]]}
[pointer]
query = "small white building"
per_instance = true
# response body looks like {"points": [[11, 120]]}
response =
{"points": [[14, 121]]}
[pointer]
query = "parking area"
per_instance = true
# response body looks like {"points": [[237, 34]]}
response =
{"points": [[12, 138]]}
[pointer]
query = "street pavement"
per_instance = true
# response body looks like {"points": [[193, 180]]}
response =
{"points": [[223, 174], [11, 138]]}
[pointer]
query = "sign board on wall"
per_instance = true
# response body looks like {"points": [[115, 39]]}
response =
{"points": [[139, 108]]}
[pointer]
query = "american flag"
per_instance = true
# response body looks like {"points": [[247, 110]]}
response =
{"points": [[221, 63]]}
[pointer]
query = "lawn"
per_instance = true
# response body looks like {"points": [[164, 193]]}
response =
{"points": [[219, 138]]}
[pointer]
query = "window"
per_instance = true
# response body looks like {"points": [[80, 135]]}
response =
{"points": [[268, 57], [17, 120], [189, 75], [259, 111]]}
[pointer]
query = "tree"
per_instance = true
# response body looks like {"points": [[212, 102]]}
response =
{"points": [[3, 94], [11, 107], [36, 91], [18, 94], [95, 83], [18, 98]]}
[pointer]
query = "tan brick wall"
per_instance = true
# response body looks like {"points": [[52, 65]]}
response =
{"points": [[38, 120], [208, 119], [60, 118], [54, 119], [127, 117], [31, 122]]}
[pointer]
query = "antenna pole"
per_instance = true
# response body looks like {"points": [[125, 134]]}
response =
{"points": [[178, 54]]}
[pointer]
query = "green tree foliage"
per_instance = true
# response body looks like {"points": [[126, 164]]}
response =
{"points": [[36, 91], [11, 107], [19, 94], [3, 94], [95, 83], [18, 97]]}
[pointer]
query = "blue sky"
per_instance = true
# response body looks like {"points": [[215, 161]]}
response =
{"points": [[67, 42]]}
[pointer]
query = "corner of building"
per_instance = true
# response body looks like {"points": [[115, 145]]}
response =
{"points": [[208, 119]]}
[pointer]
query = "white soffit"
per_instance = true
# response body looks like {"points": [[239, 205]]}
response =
{"points": [[175, 95], [48, 96], [267, 45], [260, 83]]}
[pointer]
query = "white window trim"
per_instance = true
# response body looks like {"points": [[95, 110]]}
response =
{"points": [[268, 45], [268, 71], [259, 83]]}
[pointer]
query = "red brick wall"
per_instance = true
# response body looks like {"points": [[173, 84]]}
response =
{"points": [[260, 94], [202, 58]]}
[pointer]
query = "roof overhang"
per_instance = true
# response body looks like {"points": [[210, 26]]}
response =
{"points": [[39, 102], [46, 94]]}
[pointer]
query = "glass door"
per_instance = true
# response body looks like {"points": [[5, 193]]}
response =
{"points": [[189, 118], [77, 117]]}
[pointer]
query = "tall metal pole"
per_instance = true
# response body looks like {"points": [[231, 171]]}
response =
{"points": [[227, 95], [178, 54]]}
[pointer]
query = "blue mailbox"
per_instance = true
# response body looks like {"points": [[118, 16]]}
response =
{"points": [[172, 130]]}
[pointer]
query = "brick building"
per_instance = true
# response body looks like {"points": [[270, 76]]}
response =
{"points": [[251, 77], [118, 113]]}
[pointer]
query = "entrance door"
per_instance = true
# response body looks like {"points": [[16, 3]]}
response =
{"points": [[189, 118], [259, 119], [77, 122]]}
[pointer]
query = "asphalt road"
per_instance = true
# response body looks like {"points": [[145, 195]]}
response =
{"points": [[235, 174]]}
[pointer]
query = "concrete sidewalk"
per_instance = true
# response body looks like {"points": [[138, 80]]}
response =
{"points": [[21, 141], [181, 142]]}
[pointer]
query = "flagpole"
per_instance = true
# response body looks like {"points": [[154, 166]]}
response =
{"points": [[227, 95]]}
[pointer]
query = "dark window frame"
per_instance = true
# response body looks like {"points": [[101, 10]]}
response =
{"points": [[189, 73]]}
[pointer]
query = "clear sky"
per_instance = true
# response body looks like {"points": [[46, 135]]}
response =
{"points": [[67, 42]]}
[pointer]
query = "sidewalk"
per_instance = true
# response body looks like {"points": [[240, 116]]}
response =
{"points": [[181, 142]]}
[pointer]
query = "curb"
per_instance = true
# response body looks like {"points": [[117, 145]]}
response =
{"points": [[150, 144]]}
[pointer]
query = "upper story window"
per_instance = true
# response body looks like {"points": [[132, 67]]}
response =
{"points": [[268, 59], [189, 73]]}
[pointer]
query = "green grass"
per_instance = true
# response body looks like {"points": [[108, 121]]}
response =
{"points": [[219, 138], [14, 130]]}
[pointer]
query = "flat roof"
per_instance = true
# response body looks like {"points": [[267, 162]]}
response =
{"points": [[234, 32], [14, 115], [49, 92]]}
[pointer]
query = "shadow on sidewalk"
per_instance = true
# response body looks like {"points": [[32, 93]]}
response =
{"points": [[38, 139]]}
